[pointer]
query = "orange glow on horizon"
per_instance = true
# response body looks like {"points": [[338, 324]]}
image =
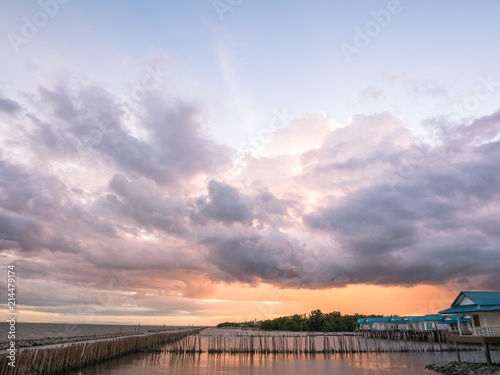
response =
{"points": [[240, 303]]}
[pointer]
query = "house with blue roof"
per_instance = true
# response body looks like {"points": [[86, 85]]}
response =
{"points": [[484, 309], [394, 322], [378, 324], [450, 322], [373, 323], [361, 324], [428, 322]]}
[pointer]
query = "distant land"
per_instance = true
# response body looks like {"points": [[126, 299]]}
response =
{"points": [[316, 321]]}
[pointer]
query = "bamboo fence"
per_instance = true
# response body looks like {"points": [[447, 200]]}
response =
{"points": [[57, 359]]}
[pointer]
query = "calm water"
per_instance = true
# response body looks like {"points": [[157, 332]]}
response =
{"points": [[229, 364], [281, 364], [210, 364], [28, 331]]}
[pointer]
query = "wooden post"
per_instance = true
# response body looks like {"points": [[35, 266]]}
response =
{"points": [[458, 352], [459, 325], [487, 354]]}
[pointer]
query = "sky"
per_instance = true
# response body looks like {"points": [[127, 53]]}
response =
{"points": [[194, 162]]}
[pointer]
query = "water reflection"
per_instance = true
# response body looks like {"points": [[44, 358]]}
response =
{"points": [[278, 364], [388, 361]]}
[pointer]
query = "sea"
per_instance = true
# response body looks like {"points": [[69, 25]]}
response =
{"points": [[31, 331], [231, 364]]}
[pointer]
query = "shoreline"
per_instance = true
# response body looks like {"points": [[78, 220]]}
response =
{"points": [[464, 368], [58, 358]]}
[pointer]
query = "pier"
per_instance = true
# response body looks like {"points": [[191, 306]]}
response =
{"points": [[291, 343], [56, 359]]}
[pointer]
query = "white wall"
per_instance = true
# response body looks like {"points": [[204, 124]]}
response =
{"points": [[490, 319]]}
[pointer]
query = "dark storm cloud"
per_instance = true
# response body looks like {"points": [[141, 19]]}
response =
{"points": [[178, 148], [20, 231], [89, 122], [9, 106], [251, 259], [143, 201], [269, 205], [224, 204], [329, 219], [483, 129], [430, 227], [26, 202], [38, 212]]}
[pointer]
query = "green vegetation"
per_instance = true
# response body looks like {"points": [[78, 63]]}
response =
{"points": [[238, 325], [315, 321]]}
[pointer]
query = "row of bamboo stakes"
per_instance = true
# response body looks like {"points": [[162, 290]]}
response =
{"points": [[58, 359], [307, 344]]}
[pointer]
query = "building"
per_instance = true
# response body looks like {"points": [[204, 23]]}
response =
{"points": [[450, 322], [430, 322], [379, 324], [484, 309], [362, 324], [376, 324]]}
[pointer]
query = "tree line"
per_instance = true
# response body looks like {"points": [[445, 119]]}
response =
{"points": [[316, 321]]}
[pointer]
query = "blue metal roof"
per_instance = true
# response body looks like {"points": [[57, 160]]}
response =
{"points": [[484, 301], [410, 318], [436, 317], [461, 309], [384, 319], [395, 318], [453, 319], [483, 298], [469, 309], [429, 317]]}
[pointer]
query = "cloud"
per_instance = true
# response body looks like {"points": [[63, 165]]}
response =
{"points": [[9, 106], [78, 124], [370, 93], [426, 228], [301, 135], [144, 201], [252, 259], [95, 183], [19, 231], [224, 204]]}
